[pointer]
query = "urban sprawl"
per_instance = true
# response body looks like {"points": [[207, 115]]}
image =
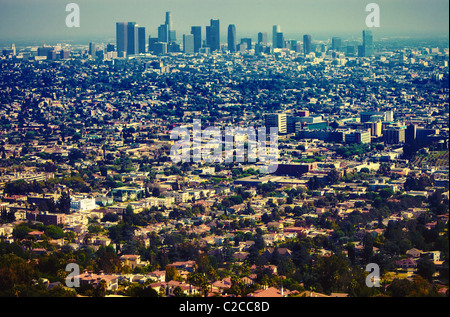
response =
{"points": [[86, 175]]}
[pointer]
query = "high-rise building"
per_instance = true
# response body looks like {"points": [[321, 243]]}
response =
{"points": [[168, 21], [121, 38], [141, 40], [92, 49], [213, 35], [275, 30], [151, 43], [171, 33], [163, 33], [295, 46], [394, 135], [196, 31], [368, 49], [276, 120], [132, 38], [307, 45], [188, 43], [280, 40], [262, 38], [232, 38], [336, 43]]}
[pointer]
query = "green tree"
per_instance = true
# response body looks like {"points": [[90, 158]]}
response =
{"points": [[54, 232], [426, 268], [63, 203]]}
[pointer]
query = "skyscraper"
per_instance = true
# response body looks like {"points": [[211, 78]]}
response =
{"points": [[275, 30], [92, 49], [196, 31], [307, 47], [367, 43], [141, 40], [336, 43], [280, 40], [213, 35], [232, 38], [276, 120], [169, 20], [163, 33], [262, 38], [132, 38], [151, 43], [121, 37], [171, 33], [188, 43]]}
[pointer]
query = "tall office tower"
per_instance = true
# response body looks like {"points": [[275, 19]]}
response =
{"points": [[307, 46], [295, 46], [411, 133], [196, 31], [280, 40], [262, 38], [188, 43], [141, 40], [132, 38], [92, 49], [171, 33], [367, 43], [275, 29], [232, 38], [213, 35], [121, 38], [151, 43], [163, 33], [168, 21], [276, 120], [336, 43]]}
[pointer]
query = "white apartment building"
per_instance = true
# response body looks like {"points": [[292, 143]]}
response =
{"points": [[82, 203]]}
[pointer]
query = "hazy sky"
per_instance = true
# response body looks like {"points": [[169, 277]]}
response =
{"points": [[46, 18]]}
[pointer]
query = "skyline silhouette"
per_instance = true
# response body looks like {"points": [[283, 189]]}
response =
{"points": [[22, 19]]}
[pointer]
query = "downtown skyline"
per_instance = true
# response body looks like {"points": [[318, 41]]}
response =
{"points": [[25, 19]]}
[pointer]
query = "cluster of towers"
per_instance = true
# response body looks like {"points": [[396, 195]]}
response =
{"points": [[131, 40]]}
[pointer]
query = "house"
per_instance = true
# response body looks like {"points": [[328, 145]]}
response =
{"points": [[132, 260], [270, 292], [283, 252], [186, 265], [240, 256], [160, 276], [112, 281], [414, 253], [223, 284], [170, 287], [407, 264]]}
